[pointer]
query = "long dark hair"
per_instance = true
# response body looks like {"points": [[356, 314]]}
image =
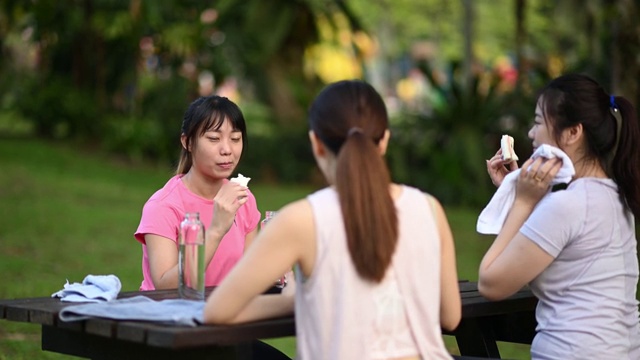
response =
{"points": [[205, 114], [350, 118], [575, 99]]}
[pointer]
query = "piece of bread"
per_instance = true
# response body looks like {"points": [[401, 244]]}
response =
{"points": [[241, 179], [506, 144]]}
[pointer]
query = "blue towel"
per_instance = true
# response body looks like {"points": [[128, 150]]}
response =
{"points": [[94, 288], [141, 308]]}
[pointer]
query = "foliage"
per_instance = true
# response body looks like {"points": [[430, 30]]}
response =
{"points": [[100, 64], [444, 151], [282, 157], [57, 109], [120, 73]]}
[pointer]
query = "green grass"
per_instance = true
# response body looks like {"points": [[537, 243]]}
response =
{"points": [[65, 214]]}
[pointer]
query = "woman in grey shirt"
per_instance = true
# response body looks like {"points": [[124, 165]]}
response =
{"points": [[576, 248]]}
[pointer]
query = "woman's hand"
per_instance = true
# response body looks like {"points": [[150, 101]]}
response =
{"points": [[225, 205], [497, 168], [535, 179]]}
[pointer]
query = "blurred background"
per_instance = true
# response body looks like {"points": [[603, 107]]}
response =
{"points": [[456, 74], [92, 94]]}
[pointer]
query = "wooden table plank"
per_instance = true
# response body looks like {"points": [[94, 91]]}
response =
{"points": [[101, 327], [36, 310], [176, 337], [101, 348], [132, 331]]}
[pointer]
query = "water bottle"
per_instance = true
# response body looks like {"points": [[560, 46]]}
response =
{"points": [[282, 281], [191, 267], [267, 216]]}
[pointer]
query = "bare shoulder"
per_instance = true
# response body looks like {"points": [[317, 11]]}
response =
{"points": [[433, 202], [297, 219], [437, 210], [296, 215]]}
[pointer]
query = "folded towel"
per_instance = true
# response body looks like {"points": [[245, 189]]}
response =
{"points": [[94, 288], [140, 308], [495, 213]]}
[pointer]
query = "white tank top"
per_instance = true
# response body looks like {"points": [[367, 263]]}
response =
{"points": [[392, 336], [339, 315]]}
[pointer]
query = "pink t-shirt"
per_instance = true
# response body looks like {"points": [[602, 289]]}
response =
{"points": [[163, 213]]}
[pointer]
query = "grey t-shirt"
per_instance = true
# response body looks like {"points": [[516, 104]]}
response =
{"points": [[587, 296]]}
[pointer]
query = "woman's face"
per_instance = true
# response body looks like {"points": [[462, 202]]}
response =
{"points": [[217, 152], [540, 133]]}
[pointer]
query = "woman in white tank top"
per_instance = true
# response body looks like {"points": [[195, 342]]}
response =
{"points": [[375, 261]]}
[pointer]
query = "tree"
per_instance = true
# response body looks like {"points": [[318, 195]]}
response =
{"points": [[624, 49]]}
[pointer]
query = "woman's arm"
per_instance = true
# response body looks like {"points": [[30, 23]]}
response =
{"points": [[163, 261], [450, 304], [513, 260], [248, 239], [269, 306], [288, 239], [163, 258]]}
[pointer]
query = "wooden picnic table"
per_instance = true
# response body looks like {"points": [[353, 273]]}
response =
{"points": [[483, 323]]}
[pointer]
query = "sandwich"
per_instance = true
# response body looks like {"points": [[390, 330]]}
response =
{"points": [[241, 179], [506, 144]]}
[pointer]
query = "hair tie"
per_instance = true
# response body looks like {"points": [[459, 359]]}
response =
{"points": [[355, 130], [613, 109]]}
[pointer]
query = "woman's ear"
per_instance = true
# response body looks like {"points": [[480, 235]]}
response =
{"points": [[384, 142], [572, 136], [317, 146], [183, 141]]}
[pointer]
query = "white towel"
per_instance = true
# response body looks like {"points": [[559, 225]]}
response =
{"points": [[495, 213], [94, 288], [140, 308]]}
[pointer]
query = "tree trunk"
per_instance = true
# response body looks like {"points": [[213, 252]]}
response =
{"points": [[625, 71], [521, 38], [467, 27]]}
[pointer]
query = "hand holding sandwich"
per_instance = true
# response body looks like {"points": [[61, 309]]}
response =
{"points": [[226, 203], [503, 162]]}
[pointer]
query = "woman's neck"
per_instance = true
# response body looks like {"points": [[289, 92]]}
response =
{"points": [[201, 185], [589, 168]]}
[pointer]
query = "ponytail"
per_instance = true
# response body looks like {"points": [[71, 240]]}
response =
{"points": [[350, 118], [369, 213], [626, 164]]}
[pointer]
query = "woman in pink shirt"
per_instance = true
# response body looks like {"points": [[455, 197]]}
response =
{"points": [[213, 137]]}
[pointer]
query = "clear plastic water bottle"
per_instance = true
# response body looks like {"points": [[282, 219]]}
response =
{"points": [[191, 267], [268, 215]]}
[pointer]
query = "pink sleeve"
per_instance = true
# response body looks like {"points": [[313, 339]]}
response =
{"points": [[158, 218], [250, 216]]}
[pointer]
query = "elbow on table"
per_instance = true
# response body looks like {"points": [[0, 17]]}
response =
{"points": [[490, 290], [212, 317], [492, 287], [450, 323]]}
